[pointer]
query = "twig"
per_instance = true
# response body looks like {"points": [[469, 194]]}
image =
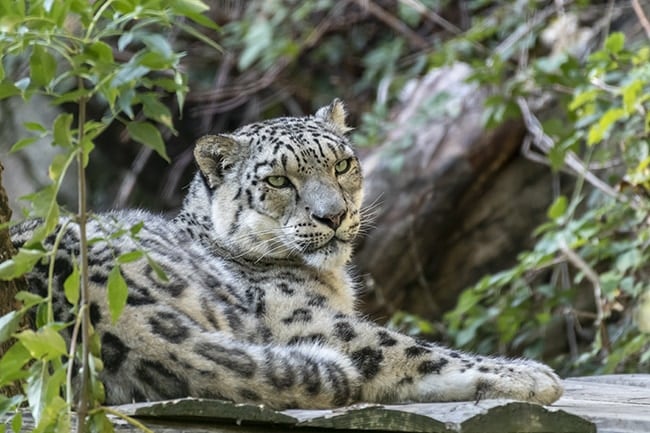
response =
{"points": [[590, 274], [126, 187], [545, 144], [393, 22], [85, 396], [641, 15], [418, 6], [134, 422]]}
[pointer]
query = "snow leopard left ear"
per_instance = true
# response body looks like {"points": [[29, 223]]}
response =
{"points": [[335, 114], [215, 154]]}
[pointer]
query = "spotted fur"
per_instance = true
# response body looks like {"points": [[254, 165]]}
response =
{"points": [[258, 305]]}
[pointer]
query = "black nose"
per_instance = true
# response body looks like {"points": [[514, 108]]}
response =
{"points": [[332, 221]]}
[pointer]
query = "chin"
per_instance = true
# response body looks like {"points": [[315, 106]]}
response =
{"points": [[334, 255]]}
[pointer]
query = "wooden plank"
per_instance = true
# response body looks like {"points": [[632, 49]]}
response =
{"points": [[500, 416], [615, 403], [612, 404]]}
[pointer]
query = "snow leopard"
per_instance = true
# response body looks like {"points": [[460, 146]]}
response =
{"points": [[248, 294]]}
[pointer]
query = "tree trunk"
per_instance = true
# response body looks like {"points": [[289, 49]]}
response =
{"points": [[447, 198]]}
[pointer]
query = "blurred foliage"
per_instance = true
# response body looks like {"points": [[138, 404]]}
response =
{"points": [[588, 271]]}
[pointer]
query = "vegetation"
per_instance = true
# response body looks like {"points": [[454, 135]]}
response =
{"points": [[66, 49], [120, 65]]}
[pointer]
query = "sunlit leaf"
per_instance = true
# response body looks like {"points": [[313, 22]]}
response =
{"points": [[42, 66], [600, 130], [193, 9], [63, 130], [558, 208], [129, 257], [71, 285], [631, 94], [117, 293], [57, 167], [9, 323], [29, 299], [20, 263], [17, 421], [615, 42], [12, 363], [8, 89], [23, 143], [10, 403], [45, 343]]}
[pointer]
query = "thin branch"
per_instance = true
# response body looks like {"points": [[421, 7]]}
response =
{"points": [[545, 144], [590, 274], [83, 404], [392, 22], [641, 15], [418, 6], [129, 181]]}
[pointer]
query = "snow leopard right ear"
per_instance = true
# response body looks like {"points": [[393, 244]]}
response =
{"points": [[214, 154]]}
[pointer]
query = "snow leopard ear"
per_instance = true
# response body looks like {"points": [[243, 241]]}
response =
{"points": [[335, 114], [214, 154]]}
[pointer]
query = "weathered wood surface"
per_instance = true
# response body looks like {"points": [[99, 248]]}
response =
{"points": [[615, 403], [602, 404]]}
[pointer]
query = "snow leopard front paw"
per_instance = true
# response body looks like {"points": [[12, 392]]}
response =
{"points": [[521, 380]]}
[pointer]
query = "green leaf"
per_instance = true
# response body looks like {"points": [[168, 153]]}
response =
{"points": [[147, 134], [12, 363], [583, 98], [45, 206], [57, 167], [631, 94], [117, 293], [156, 110], [35, 127], [10, 403], [29, 299], [129, 72], [17, 421], [257, 40], [158, 45], [615, 42], [71, 285], [46, 343], [42, 66], [136, 228], [100, 52], [8, 90], [20, 263], [558, 208], [63, 130], [193, 9], [629, 260], [158, 270], [129, 257], [9, 323], [599, 131], [23, 143]]}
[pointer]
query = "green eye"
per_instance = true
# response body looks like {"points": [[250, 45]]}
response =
{"points": [[342, 166], [278, 181]]}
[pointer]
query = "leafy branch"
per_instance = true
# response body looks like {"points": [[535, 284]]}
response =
{"points": [[72, 61]]}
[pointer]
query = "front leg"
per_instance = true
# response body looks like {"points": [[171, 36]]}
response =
{"points": [[397, 368]]}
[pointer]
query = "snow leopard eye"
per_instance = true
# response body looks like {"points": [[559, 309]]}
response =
{"points": [[278, 181], [342, 166]]}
